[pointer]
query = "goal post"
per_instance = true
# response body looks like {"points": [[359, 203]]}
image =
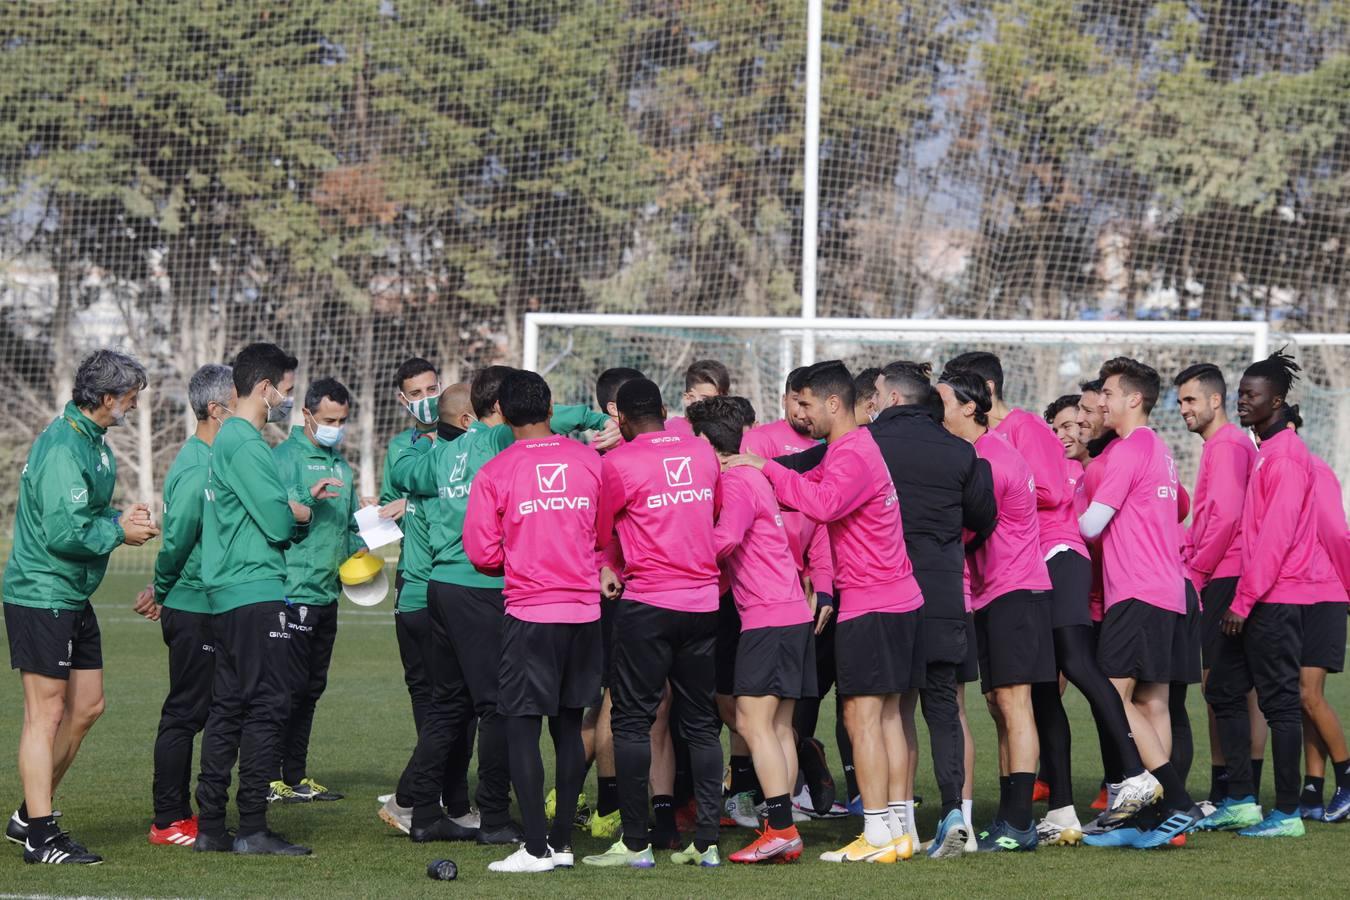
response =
{"points": [[1042, 359]]}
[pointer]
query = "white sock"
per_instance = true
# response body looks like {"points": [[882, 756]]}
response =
{"points": [[875, 827], [895, 820], [967, 810], [1063, 817], [911, 823]]}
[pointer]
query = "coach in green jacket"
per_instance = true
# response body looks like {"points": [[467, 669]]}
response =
{"points": [[247, 523], [308, 456], [64, 529]]}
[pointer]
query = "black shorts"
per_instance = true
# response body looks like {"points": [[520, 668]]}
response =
{"points": [[1015, 640], [876, 653], [1136, 642], [776, 662], [1071, 586], [969, 668], [607, 609], [728, 638], [51, 642], [547, 666], [1186, 641], [1323, 636], [1214, 602]]}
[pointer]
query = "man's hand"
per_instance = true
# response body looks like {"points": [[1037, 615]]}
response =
{"points": [[139, 512], [610, 585], [1232, 623], [301, 512], [369, 501], [608, 439], [394, 509], [743, 459], [320, 490], [824, 605], [136, 531], [145, 604]]}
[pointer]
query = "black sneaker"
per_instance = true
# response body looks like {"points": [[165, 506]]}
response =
{"points": [[267, 843], [443, 829], [16, 829], [816, 774], [214, 843], [60, 850], [506, 833]]}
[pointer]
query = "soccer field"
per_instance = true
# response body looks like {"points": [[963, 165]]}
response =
{"points": [[363, 735]]}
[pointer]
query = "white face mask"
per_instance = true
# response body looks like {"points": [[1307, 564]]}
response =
{"points": [[282, 411]]}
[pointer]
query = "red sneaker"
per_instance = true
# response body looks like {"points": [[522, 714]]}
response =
{"points": [[1041, 792], [1178, 841], [1101, 801], [182, 833], [686, 817], [771, 845]]}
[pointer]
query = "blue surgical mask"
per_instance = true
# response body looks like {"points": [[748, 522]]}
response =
{"points": [[328, 435]]}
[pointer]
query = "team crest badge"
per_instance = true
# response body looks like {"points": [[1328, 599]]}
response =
{"points": [[281, 616], [304, 611]]}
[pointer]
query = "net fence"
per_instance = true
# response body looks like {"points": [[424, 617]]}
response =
{"points": [[365, 180]]}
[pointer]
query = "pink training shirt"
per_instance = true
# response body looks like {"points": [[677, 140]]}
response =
{"points": [[532, 514], [1141, 558], [806, 537], [1214, 540], [1282, 559], [1331, 530], [1044, 455], [1010, 558], [679, 425], [852, 494], [660, 492], [753, 549], [1082, 499]]}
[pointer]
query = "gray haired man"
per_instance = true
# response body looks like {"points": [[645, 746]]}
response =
{"points": [[177, 598], [64, 530]]}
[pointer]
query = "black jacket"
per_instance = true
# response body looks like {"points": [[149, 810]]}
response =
{"points": [[943, 487]]}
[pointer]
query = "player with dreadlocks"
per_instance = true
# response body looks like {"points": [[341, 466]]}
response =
{"points": [[1284, 567]]}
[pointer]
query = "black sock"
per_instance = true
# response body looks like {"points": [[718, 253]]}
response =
{"points": [[702, 846], [41, 829], [1017, 812], [1313, 787], [663, 814], [1174, 789], [1218, 784], [1004, 785], [23, 810], [1256, 778], [607, 797], [851, 782], [779, 811], [1341, 772], [742, 775]]}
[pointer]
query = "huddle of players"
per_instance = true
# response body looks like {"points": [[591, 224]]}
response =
{"points": [[1001, 532], [500, 622]]}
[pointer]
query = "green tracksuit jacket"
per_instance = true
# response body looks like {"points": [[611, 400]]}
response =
{"points": [[178, 565], [312, 567], [247, 521], [63, 526]]}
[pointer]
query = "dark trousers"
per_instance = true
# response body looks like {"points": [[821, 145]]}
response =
{"points": [[806, 714], [1264, 656], [192, 662], [416, 649], [943, 715], [651, 646], [249, 700], [313, 631], [465, 660], [527, 774]]}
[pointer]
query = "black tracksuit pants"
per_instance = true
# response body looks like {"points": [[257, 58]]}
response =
{"points": [[313, 631], [249, 702], [192, 662]]}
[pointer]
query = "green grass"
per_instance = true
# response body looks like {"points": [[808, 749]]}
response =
{"points": [[363, 735]]}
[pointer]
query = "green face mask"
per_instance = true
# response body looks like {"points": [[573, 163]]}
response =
{"points": [[427, 410]]}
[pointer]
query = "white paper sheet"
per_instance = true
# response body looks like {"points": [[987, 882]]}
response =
{"points": [[376, 532]]}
